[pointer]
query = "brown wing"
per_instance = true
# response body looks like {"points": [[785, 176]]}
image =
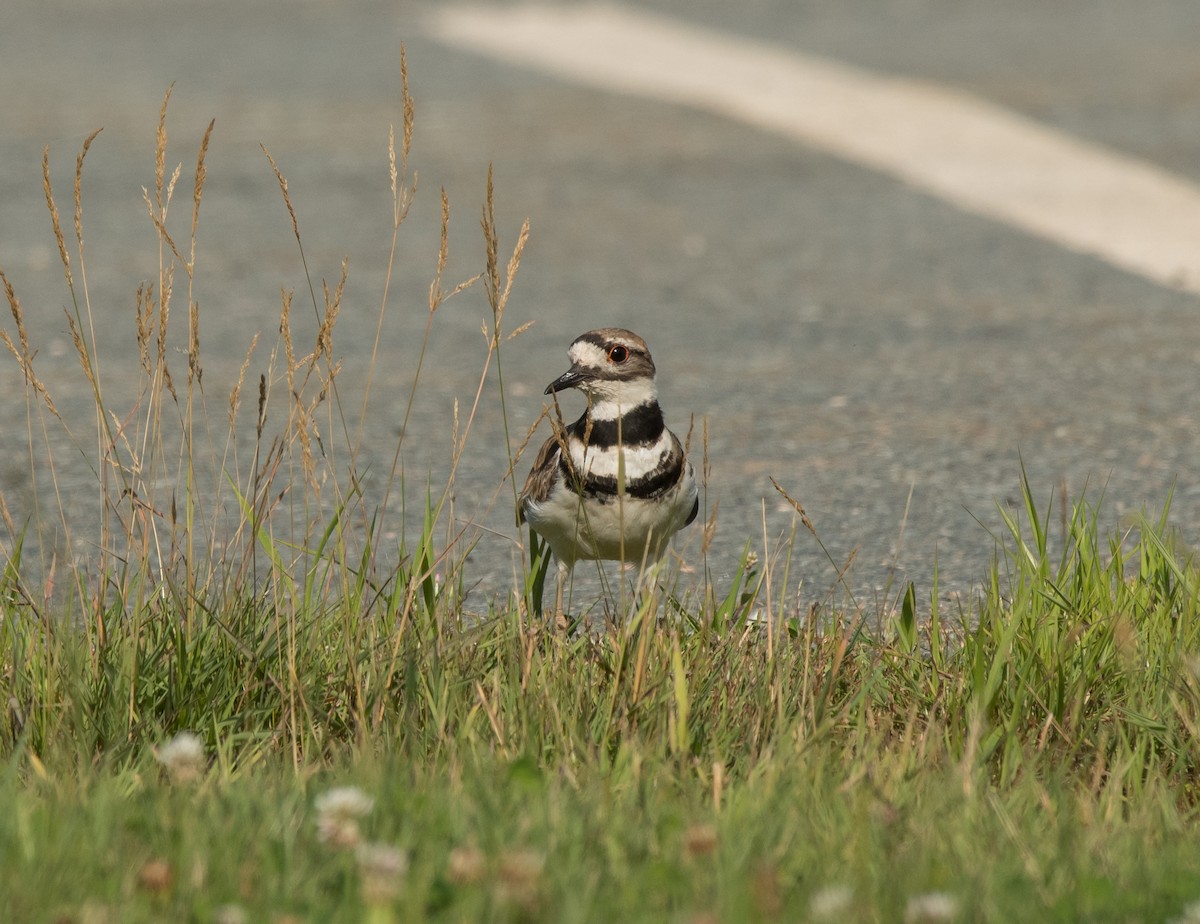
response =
{"points": [[541, 477]]}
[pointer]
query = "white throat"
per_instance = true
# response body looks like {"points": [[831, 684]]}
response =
{"points": [[616, 399]]}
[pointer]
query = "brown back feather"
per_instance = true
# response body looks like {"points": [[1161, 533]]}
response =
{"points": [[541, 477]]}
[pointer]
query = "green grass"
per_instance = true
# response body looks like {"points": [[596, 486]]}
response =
{"points": [[1031, 757]]}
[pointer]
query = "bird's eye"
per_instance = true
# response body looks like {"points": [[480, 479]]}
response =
{"points": [[618, 353]]}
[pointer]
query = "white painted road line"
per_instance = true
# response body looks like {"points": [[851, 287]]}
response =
{"points": [[974, 154]]}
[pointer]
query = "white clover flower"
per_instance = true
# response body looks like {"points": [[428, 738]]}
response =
{"points": [[231, 914], [520, 877], [382, 867], [931, 907], [338, 811], [344, 800], [466, 865], [183, 757], [1190, 915], [830, 903], [700, 839]]}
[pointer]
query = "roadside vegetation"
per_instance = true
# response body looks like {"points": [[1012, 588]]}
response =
{"points": [[249, 705]]}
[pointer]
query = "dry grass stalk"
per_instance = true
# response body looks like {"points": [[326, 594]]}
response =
{"points": [[163, 194], [300, 418], [134, 442], [79, 194], [23, 355], [709, 532], [393, 172], [175, 174], [94, 357], [285, 332], [796, 505], [261, 420], [283, 188], [144, 322], [6, 515], [491, 279], [198, 191], [165, 288], [403, 192], [135, 467], [436, 297], [85, 360], [402, 196], [511, 271], [454, 425], [409, 108], [333, 306], [498, 296], [159, 219], [533, 427], [160, 149], [27, 371], [195, 372], [14, 305], [54, 221], [236, 393]]}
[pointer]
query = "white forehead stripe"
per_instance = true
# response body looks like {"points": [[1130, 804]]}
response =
{"points": [[586, 353]]}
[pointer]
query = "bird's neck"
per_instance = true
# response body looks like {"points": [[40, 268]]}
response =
{"points": [[616, 403], [641, 425]]}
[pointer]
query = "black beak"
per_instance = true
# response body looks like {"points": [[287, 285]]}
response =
{"points": [[569, 379]]}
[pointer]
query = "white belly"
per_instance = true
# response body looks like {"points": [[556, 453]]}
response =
{"points": [[624, 529]]}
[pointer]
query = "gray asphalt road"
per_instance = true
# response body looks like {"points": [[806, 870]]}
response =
{"points": [[888, 358]]}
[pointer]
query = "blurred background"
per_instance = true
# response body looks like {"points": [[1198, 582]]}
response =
{"points": [[889, 358]]}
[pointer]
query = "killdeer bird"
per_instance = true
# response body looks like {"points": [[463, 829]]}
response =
{"points": [[615, 484]]}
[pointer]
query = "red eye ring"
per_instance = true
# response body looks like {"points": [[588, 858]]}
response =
{"points": [[618, 353]]}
